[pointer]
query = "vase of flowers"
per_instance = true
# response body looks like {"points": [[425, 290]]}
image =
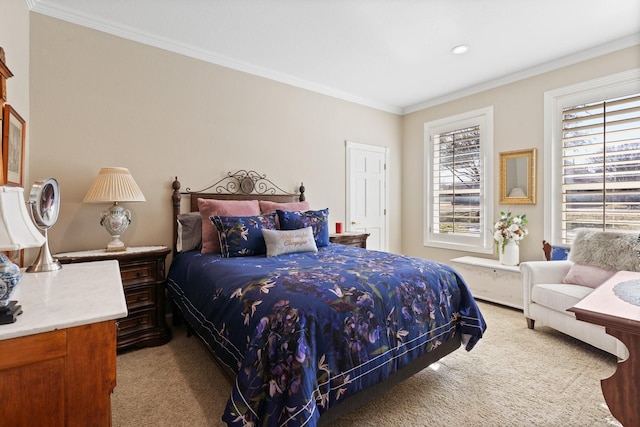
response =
{"points": [[509, 230]]}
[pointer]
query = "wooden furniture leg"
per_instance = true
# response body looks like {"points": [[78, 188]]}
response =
{"points": [[622, 390]]}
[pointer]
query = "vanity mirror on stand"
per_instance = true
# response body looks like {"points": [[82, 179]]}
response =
{"points": [[44, 201], [518, 177]]}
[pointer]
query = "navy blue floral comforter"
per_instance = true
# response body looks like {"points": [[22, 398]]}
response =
{"points": [[306, 331]]}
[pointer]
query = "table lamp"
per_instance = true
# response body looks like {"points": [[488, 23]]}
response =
{"points": [[17, 231], [114, 185]]}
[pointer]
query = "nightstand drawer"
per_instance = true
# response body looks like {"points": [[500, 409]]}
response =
{"points": [[141, 272], [137, 322], [140, 297]]}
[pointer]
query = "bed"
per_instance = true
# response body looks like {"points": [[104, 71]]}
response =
{"points": [[311, 331]]}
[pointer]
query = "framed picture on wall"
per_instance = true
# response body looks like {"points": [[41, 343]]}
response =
{"points": [[14, 129]]}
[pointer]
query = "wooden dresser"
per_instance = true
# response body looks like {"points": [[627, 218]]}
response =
{"points": [[58, 363], [143, 277], [350, 239]]}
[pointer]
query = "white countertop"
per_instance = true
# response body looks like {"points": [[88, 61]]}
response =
{"points": [[77, 294]]}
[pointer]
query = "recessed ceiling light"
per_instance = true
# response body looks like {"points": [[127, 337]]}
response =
{"points": [[459, 50]]}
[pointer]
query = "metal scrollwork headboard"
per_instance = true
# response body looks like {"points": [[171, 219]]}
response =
{"points": [[246, 183]]}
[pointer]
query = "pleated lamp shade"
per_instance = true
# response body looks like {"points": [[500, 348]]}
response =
{"points": [[17, 231], [114, 185]]}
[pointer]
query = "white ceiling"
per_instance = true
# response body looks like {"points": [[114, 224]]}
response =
{"points": [[392, 55]]}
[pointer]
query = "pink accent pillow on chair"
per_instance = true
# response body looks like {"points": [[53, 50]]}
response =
{"points": [[211, 207], [587, 275]]}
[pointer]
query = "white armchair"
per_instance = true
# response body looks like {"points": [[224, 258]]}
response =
{"points": [[551, 287], [547, 298]]}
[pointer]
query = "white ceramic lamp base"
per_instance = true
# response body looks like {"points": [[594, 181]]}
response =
{"points": [[116, 245], [115, 221]]}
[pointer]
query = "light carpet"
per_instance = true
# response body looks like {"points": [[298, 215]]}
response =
{"points": [[513, 377]]}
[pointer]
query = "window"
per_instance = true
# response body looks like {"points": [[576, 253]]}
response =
{"points": [[594, 147], [458, 200]]}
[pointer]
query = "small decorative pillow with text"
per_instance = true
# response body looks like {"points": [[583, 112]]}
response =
{"points": [[317, 220], [280, 242], [242, 235]]}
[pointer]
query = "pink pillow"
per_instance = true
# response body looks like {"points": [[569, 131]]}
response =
{"points": [[209, 207], [268, 207], [587, 275]]}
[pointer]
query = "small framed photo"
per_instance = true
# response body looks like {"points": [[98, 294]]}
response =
{"points": [[14, 129]]}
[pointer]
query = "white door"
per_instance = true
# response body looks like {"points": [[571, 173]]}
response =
{"points": [[367, 192]]}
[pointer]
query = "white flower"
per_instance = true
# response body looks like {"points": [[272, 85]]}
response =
{"points": [[508, 228]]}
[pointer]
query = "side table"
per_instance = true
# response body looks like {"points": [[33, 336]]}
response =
{"points": [[350, 239], [143, 278], [621, 319]]}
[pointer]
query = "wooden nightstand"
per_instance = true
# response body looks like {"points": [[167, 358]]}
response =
{"points": [[350, 239], [143, 277]]}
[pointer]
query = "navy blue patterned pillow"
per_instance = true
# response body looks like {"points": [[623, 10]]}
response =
{"points": [[317, 220], [242, 235]]}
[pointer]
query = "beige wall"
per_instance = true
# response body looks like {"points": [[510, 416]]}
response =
{"points": [[99, 100], [14, 39], [518, 124]]}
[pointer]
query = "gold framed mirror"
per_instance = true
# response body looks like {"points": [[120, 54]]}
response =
{"points": [[518, 177]]}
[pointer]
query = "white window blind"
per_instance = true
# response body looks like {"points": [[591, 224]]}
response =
{"points": [[457, 182], [601, 166]]}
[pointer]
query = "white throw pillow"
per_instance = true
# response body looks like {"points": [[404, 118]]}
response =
{"points": [[281, 242]]}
